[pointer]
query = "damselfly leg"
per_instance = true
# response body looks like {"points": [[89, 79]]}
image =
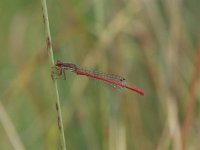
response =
{"points": [[58, 73]]}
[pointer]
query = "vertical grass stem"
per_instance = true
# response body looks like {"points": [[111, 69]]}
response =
{"points": [[51, 62]]}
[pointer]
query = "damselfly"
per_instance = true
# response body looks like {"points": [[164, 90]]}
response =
{"points": [[114, 80]]}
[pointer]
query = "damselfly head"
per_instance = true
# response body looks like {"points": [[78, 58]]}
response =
{"points": [[58, 63]]}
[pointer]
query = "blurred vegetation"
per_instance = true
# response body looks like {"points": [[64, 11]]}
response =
{"points": [[154, 44]]}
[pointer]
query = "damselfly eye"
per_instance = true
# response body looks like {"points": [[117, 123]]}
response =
{"points": [[58, 63]]}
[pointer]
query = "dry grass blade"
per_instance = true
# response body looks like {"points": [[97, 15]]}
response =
{"points": [[10, 129], [191, 99]]}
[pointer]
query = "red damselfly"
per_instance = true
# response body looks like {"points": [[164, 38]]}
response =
{"points": [[114, 80]]}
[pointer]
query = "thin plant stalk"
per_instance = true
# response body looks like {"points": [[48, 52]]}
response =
{"points": [[191, 99], [51, 62], [10, 129]]}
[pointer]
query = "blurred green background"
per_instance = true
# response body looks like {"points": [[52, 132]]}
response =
{"points": [[154, 44]]}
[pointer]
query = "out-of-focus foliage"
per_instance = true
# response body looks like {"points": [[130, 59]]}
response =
{"points": [[154, 44]]}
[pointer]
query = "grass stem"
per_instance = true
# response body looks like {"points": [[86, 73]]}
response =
{"points": [[51, 62]]}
